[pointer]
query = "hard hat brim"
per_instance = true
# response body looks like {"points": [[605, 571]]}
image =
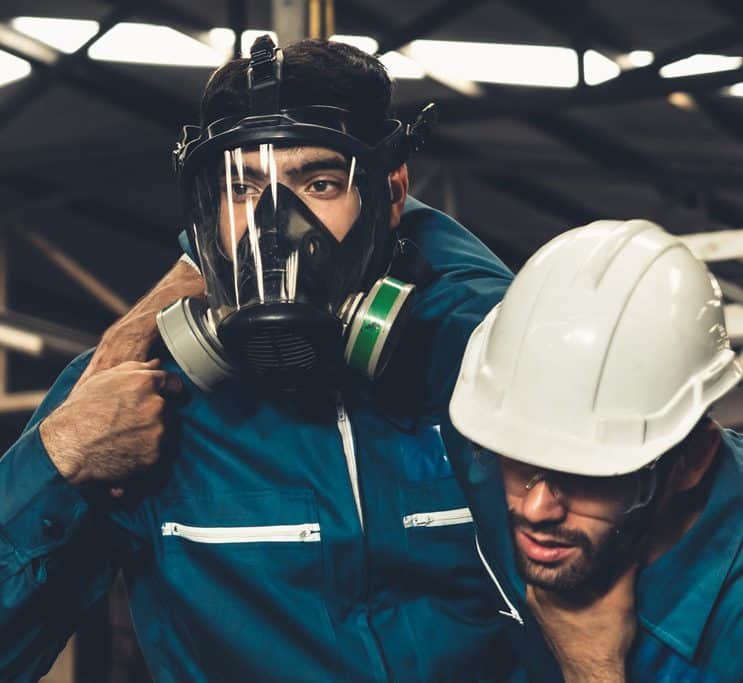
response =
{"points": [[627, 450]]}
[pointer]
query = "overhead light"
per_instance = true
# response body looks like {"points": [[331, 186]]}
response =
{"points": [[66, 35], [682, 100], [397, 65], [248, 38], [700, 64], [635, 59], [222, 40], [640, 58], [365, 43], [20, 340], [12, 68], [599, 68], [400, 66], [152, 44], [736, 90], [537, 65]]}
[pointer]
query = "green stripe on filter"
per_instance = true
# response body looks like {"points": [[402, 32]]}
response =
{"points": [[373, 322]]}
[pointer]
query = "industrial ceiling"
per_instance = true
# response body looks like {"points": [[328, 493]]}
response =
{"points": [[85, 145]]}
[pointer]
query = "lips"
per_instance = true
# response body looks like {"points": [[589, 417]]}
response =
{"points": [[545, 550]]}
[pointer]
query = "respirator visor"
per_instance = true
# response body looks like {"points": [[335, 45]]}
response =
{"points": [[280, 224]]}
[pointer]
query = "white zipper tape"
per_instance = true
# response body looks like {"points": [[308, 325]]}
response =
{"points": [[512, 611], [439, 518], [344, 427], [286, 533]]}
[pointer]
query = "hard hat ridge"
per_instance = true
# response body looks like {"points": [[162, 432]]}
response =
{"points": [[608, 249]]}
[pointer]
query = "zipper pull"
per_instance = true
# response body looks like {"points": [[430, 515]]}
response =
{"points": [[340, 409], [420, 520], [306, 534]]}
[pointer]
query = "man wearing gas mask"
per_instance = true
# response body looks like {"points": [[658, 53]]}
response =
{"points": [[303, 523], [607, 504]]}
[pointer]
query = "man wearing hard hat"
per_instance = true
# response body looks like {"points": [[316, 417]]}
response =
{"points": [[583, 397]]}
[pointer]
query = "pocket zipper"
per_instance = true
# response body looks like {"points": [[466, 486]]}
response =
{"points": [[439, 518], [286, 533]]}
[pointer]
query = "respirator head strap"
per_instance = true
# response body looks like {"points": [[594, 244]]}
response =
{"points": [[264, 77], [395, 148]]}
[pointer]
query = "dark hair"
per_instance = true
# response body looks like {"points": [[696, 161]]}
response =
{"points": [[314, 72]]}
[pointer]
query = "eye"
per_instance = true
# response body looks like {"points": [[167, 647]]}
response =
{"points": [[241, 191], [324, 187]]}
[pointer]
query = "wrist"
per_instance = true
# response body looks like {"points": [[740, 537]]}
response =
{"points": [[185, 277], [59, 451]]}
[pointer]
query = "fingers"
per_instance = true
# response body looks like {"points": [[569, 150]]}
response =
{"points": [[130, 365]]}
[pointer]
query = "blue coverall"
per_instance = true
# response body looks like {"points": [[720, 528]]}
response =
{"points": [[294, 540], [689, 601]]}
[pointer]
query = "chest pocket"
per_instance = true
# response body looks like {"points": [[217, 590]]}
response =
{"points": [[453, 598], [437, 522], [245, 577]]}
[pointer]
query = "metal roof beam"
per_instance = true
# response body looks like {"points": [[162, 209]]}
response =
{"points": [[506, 100], [91, 208], [159, 10], [718, 245], [238, 21], [617, 156], [522, 188], [115, 87], [538, 196], [732, 8], [358, 17], [375, 23], [581, 24], [40, 79], [723, 115], [426, 23]]}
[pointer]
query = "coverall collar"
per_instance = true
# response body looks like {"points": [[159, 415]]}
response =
{"points": [[677, 592]]}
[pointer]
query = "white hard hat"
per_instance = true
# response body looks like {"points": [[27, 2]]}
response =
{"points": [[607, 349]]}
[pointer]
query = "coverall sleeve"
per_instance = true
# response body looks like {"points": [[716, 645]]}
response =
{"points": [[57, 556], [470, 281]]}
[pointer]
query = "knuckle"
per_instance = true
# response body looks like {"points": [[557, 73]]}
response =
{"points": [[151, 407], [147, 458], [158, 431]]}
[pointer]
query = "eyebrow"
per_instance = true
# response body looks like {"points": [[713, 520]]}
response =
{"points": [[330, 163], [324, 164]]}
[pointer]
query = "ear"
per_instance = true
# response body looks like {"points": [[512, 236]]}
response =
{"points": [[696, 457], [398, 180]]}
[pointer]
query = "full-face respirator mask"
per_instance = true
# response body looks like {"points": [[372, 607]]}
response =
{"points": [[288, 214]]}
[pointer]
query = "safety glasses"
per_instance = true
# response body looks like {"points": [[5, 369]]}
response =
{"points": [[607, 498]]}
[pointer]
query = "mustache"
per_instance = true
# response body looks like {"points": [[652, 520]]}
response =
{"points": [[553, 529]]}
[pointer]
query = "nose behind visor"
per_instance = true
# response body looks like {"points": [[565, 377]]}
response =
{"points": [[283, 327], [288, 253]]}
